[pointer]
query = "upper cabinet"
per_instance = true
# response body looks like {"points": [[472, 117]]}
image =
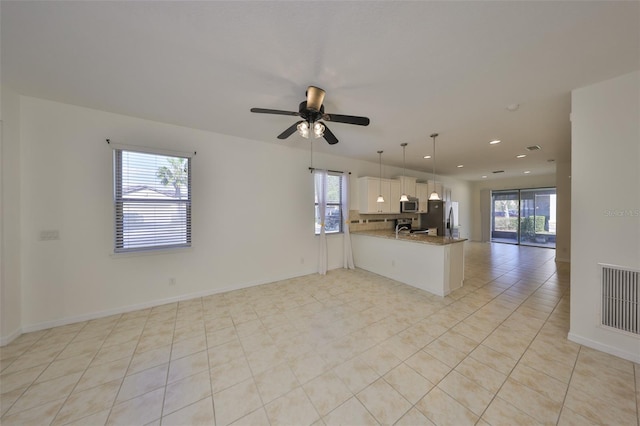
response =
{"points": [[368, 190], [422, 192], [408, 185]]}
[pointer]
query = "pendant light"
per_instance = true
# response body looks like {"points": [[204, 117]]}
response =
{"points": [[380, 197], [434, 195], [404, 168]]}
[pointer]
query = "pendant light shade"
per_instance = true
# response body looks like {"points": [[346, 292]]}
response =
{"points": [[403, 197], [434, 195], [380, 197]]}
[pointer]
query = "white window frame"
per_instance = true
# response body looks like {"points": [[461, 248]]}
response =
{"points": [[332, 204], [157, 233]]}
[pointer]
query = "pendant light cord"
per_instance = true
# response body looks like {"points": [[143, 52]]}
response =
{"points": [[434, 136]]}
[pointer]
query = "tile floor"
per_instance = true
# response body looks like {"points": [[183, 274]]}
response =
{"points": [[349, 348]]}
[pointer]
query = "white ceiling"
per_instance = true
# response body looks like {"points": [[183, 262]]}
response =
{"points": [[413, 68]]}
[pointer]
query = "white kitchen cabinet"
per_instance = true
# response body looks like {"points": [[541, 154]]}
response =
{"points": [[368, 190], [395, 193], [422, 192], [437, 186], [409, 185]]}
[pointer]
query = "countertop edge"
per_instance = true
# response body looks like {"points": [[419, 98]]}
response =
{"points": [[412, 238]]}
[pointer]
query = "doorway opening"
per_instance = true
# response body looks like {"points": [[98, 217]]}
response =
{"points": [[524, 216]]}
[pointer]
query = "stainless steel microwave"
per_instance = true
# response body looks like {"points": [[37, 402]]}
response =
{"points": [[411, 206]]}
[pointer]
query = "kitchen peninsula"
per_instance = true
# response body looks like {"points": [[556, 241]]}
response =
{"points": [[434, 264]]}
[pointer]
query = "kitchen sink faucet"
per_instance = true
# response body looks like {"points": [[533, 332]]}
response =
{"points": [[399, 228]]}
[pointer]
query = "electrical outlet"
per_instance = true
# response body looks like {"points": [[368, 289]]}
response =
{"points": [[49, 235]]}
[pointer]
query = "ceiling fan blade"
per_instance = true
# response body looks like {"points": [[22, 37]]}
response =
{"points": [[349, 119], [315, 98], [273, 111], [329, 136], [291, 130]]}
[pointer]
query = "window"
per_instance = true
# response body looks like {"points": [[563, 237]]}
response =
{"points": [[152, 197], [333, 213]]}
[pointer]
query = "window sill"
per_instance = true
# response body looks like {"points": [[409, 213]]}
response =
{"points": [[153, 252]]}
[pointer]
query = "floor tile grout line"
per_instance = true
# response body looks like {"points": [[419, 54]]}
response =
{"points": [[166, 379], [206, 343], [566, 393]]}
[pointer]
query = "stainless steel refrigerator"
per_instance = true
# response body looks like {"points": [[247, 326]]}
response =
{"points": [[440, 215]]}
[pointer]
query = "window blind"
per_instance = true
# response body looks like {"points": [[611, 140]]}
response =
{"points": [[152, 198]]}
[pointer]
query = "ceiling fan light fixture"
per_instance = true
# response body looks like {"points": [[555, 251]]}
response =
{"points": [[318, 130], [303, 129]]}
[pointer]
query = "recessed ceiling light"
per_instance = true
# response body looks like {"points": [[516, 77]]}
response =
{"points": [[494, 142], [460, 166], [513, 107], [427, 156], [484, 176], [526, 172], [521, 156]]}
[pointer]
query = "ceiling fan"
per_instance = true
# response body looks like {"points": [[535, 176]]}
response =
{"points": [[312, 111]]}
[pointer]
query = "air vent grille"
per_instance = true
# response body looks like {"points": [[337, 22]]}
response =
{"points": [[498, 171], [533, 148], [621, 298]]}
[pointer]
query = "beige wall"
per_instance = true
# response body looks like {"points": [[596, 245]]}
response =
{"points": [[605, 200]]}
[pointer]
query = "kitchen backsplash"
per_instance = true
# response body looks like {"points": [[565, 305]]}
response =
{"points": [[370, 222]]}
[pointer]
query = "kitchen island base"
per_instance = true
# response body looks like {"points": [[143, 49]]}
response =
{"points": [[436, 268]]}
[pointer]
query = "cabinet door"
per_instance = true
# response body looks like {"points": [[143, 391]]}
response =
{"points": [[422, 192], [394, 196], [408, 184], [369, 188]]}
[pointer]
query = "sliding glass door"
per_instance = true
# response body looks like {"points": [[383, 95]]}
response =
{"points": [[505, 206], [524, 216], [538, 217]]}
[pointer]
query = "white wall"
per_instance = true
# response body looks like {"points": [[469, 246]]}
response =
{"points": [[10, 292], [65, 178], [563, 224], [605, 220], [477, 188]]}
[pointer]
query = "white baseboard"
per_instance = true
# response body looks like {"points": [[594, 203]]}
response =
{"points": [[630, 356], [5, 340], [144, 305]]}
